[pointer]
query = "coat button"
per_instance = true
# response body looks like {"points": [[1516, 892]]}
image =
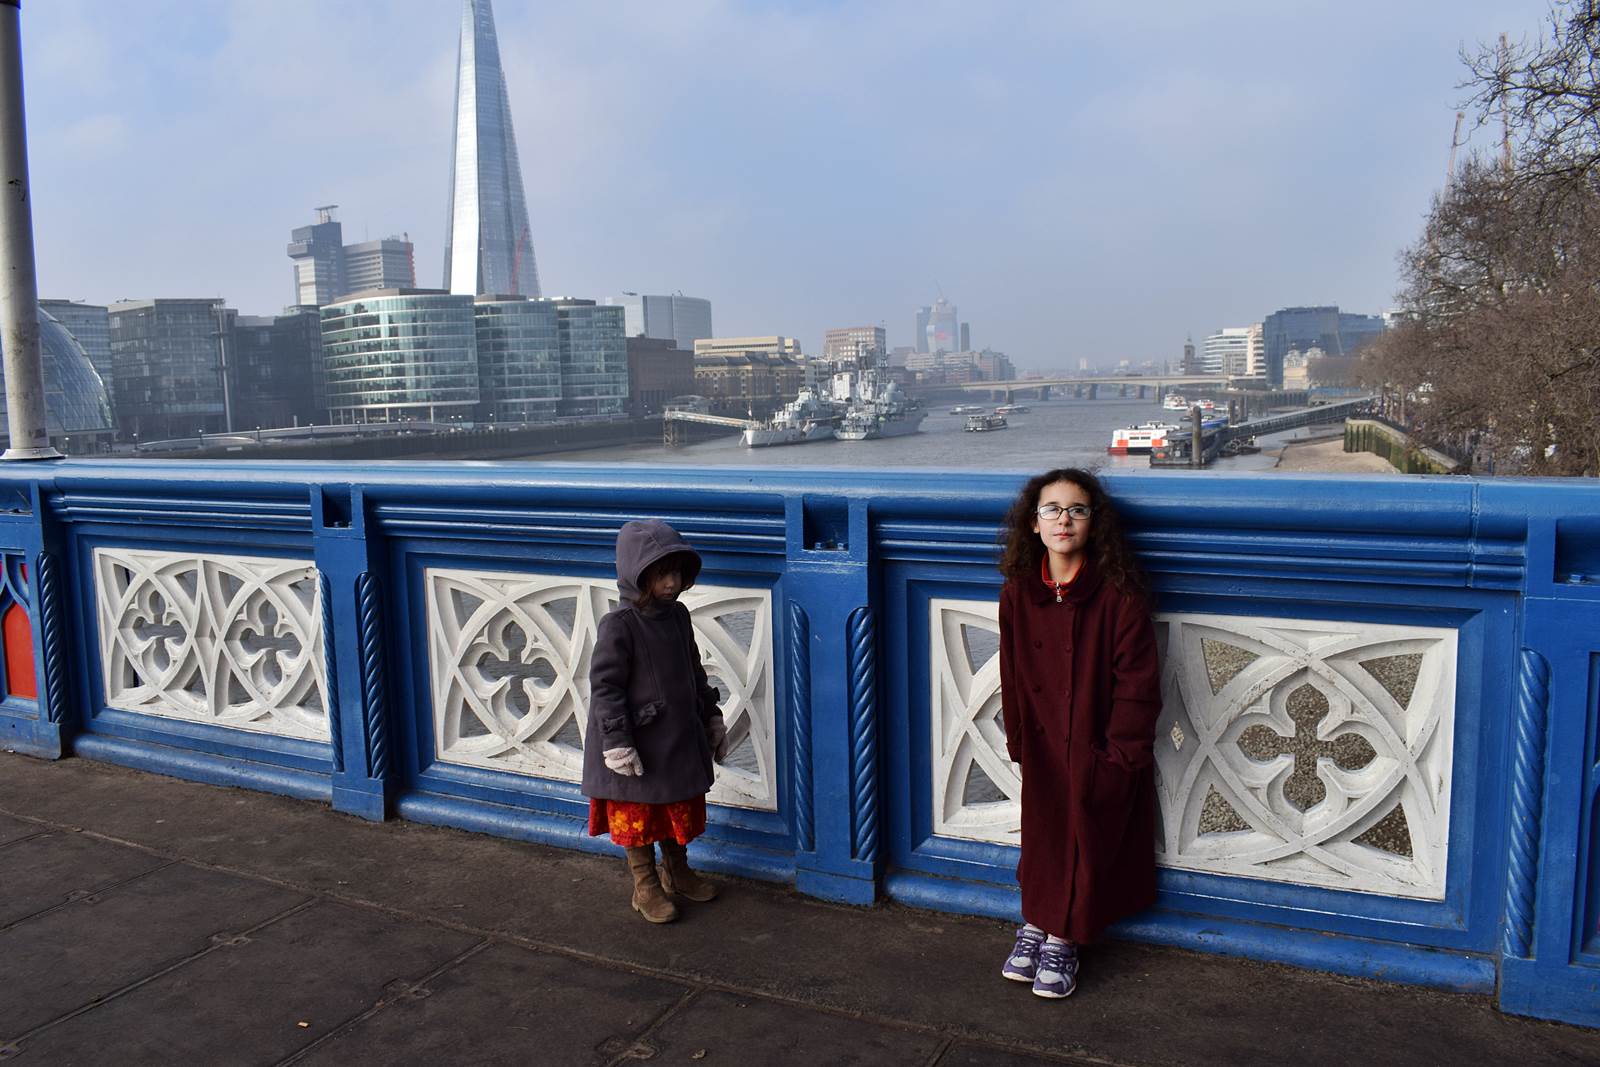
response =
{"points": [[1035, 689], [1038, 644]]}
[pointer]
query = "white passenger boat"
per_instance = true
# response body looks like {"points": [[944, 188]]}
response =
{"points": [[984, 423], [1140, 439]]}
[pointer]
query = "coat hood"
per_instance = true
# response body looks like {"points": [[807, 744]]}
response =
{"points": [[642, 543]]}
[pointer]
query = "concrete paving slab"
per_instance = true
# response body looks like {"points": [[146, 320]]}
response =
{"points": [[721, 1027], [48, 870], [508, 1005], [96, 945], [1137, 1003], [15, 829], [246, 1001], [978, 1056]]}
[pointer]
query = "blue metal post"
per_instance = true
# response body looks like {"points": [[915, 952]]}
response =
{"points": [[352, 614], [831, 588]]}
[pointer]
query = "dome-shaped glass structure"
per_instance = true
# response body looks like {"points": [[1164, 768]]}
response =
{"points": [[74, 396]]}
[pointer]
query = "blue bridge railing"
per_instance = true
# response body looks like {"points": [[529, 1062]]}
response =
{"points": [[1379, 752]]}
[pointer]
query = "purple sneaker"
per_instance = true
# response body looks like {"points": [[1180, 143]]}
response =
{"points": [[1023, 963], [1058, 971]]}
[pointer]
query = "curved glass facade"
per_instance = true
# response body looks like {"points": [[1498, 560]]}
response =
{"points": [[399, 356], [74, 396], [519, 359]]}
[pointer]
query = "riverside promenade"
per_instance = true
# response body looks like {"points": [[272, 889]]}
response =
{"points": [[145, 919]]}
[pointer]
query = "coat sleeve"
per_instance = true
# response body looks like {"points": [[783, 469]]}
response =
{"points": [[1010, 698], [609, 669], [710, 700], [1135, 688]]}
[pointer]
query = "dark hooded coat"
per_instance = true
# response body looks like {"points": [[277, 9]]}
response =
{"points": [[1080, 693], [647, 689]]}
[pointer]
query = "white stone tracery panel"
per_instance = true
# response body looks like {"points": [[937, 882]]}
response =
{"points": [[977, 790], [233, 641], [509, 666], [1351, 794]]}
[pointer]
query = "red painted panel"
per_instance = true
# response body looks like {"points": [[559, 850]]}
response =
{"points": [[19, 654]]}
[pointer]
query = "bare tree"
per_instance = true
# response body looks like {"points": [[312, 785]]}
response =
{"points": [[1499, 347]]}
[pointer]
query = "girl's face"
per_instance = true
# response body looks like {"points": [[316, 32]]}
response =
{"points": [[664, 584], [1063, 536]]}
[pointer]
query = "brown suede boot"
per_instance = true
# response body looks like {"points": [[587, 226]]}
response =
{"points": [[678, 879], [648, 899]]}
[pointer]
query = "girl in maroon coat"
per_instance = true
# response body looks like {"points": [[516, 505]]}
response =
{"points": [[1080, 693]]}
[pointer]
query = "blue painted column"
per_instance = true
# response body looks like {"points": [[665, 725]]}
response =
{"points": [[42, 726], [355, 643], [832, 655]]}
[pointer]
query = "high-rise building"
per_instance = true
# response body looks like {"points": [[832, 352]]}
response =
{"points": [[168, 359], [1336, 333], [390, 263], [488, 243], [1190, 363], [274, 369], [966, 337], [396, 355], [1256, 362], [77, 414], [923, 315], [594, 359], [850, 344], [943, 331], [90, 326], [519, 359], [1226, 352], [325, 268], [400, 355], [683, 320], [318, 254]]}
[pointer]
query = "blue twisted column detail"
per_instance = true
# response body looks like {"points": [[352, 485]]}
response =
{"points": [[1527, 797], [374, 690], [863, 630], [331, 672], [800, 722], [55, 659]]}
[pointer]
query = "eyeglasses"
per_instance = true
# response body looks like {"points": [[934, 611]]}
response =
{"points": [[1052, 512]]}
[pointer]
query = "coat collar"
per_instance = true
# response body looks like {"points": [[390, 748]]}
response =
{"points": [[1084, 585]]}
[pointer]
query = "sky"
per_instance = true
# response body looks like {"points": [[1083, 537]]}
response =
{"points": [[1083, 180]]}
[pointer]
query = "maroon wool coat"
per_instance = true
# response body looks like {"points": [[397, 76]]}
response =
{"points": [[1080, 693]]}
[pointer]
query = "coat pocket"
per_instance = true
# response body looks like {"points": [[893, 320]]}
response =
{"points": [[1109, 785], [649, 713]]}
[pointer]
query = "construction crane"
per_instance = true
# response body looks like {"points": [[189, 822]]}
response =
{"points": [[1450, 167]]}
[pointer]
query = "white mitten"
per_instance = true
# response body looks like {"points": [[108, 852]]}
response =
{"points": [[717, 736], [624, 761]]}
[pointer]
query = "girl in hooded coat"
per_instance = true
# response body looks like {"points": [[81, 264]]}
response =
{"points": [[654, 724], [1080, 694]]}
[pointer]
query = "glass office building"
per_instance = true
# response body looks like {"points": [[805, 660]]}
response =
{"points": [[488, 244], [683, 320], [594, 359], [400, 355], [519, 359], [90, 326], [77, 411], [167, 357], [1337, 333]]}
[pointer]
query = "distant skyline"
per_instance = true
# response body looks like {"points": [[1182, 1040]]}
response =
{"points": [[1083, 183]]}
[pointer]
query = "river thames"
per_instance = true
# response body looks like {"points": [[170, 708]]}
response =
{"points": [[1067, 432]]}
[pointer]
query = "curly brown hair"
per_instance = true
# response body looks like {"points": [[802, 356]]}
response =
{"points": [[1108, 547]]}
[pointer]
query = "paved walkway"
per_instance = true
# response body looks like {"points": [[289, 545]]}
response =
{"points": [[148, 920]]}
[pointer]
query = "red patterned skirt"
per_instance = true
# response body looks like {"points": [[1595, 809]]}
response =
{"points": [[632, 823]]}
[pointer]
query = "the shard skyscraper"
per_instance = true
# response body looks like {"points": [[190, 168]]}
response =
{"points": [[488, 247]]}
